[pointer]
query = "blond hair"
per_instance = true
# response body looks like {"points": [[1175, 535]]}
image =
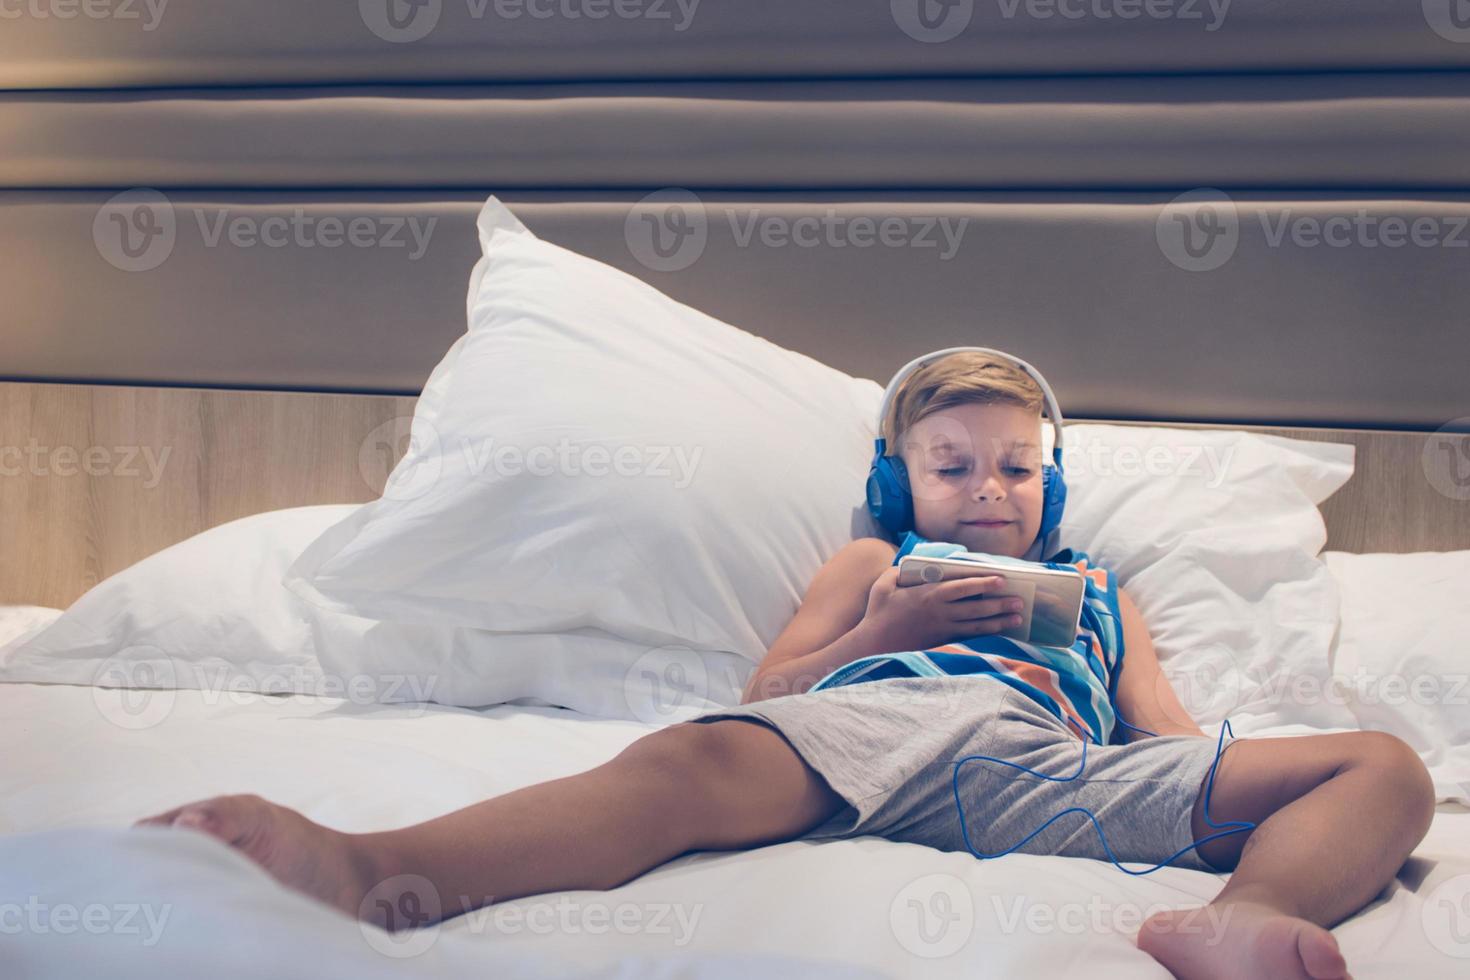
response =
{"points": [[958, 379]]}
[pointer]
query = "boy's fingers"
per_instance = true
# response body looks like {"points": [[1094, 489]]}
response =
{"points": [[991, 625], [962, 588], [973, 610]]}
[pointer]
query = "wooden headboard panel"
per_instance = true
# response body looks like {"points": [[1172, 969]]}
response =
{"points": [[95, 477]]}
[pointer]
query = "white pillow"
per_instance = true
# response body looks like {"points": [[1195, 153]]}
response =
{"points": [[210, 613], [1400, 663], [1222, 564], [20, 622], [593, 454], [1214, 533]]}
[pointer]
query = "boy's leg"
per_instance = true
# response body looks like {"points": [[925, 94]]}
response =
{"points": [[710, 786], [1336, 815]]}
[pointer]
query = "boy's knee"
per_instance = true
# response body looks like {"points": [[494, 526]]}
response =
{"points": [[1399, 772]]}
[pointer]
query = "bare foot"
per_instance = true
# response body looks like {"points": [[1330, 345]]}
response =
{"points": [[301, 855], [1241, 941]]}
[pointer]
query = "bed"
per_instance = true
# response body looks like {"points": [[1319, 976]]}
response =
{"points": [[846, 908]]}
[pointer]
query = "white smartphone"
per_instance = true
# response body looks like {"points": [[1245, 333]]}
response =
{"points": [[1052, 597]]}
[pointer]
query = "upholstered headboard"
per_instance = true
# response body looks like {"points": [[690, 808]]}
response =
{"points": [[1193, 211]]}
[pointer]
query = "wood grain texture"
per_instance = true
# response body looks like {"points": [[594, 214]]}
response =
{"points": [[96, 477]]}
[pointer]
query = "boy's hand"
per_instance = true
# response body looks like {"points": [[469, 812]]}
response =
{"points": [[920, 617]]}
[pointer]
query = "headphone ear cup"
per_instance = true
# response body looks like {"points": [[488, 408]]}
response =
{"points": [[888, 494], [1054, 498]]}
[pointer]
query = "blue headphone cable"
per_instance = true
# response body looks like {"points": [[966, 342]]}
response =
{"points": [[1223, 829]]}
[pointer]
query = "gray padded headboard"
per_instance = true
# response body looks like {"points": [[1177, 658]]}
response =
{"points": [[1234, 212]]}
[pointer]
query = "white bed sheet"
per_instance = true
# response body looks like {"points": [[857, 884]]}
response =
{"points": [[862, 904]]}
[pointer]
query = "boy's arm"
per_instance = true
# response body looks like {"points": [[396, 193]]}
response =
{"points": [[825, 633], [1144, 695]]}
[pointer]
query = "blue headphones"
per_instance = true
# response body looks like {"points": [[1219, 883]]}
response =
{"points": [[889, 499]]}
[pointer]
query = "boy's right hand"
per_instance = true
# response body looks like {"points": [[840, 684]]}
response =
{"points": [[931, 614]]}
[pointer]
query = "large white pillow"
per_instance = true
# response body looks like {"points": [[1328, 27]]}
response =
{"points": [[593, 454], [210, 613], [1400, 664], [1215, 534]]}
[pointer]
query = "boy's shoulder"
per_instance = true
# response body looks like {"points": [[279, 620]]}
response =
{"points": [[868, 550], [863, 560]]}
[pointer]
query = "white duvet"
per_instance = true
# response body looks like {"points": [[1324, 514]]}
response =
{"points": [[81, 895], [176, 904]]}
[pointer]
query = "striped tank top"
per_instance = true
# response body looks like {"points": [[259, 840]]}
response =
{"points": [[1077, 682]]}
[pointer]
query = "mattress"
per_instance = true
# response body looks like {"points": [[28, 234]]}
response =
{"points": [[94, 760]]}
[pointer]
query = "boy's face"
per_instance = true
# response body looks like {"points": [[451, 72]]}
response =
{"points": [[970, 465]]}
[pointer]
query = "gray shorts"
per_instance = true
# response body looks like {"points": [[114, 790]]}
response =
{"points": [[889, 748]]}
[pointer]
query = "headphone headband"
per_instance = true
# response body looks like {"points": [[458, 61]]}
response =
{"points": [[1052, 409]]}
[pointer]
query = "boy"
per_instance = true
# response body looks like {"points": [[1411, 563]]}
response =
{"points": [[1336, 815]]}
